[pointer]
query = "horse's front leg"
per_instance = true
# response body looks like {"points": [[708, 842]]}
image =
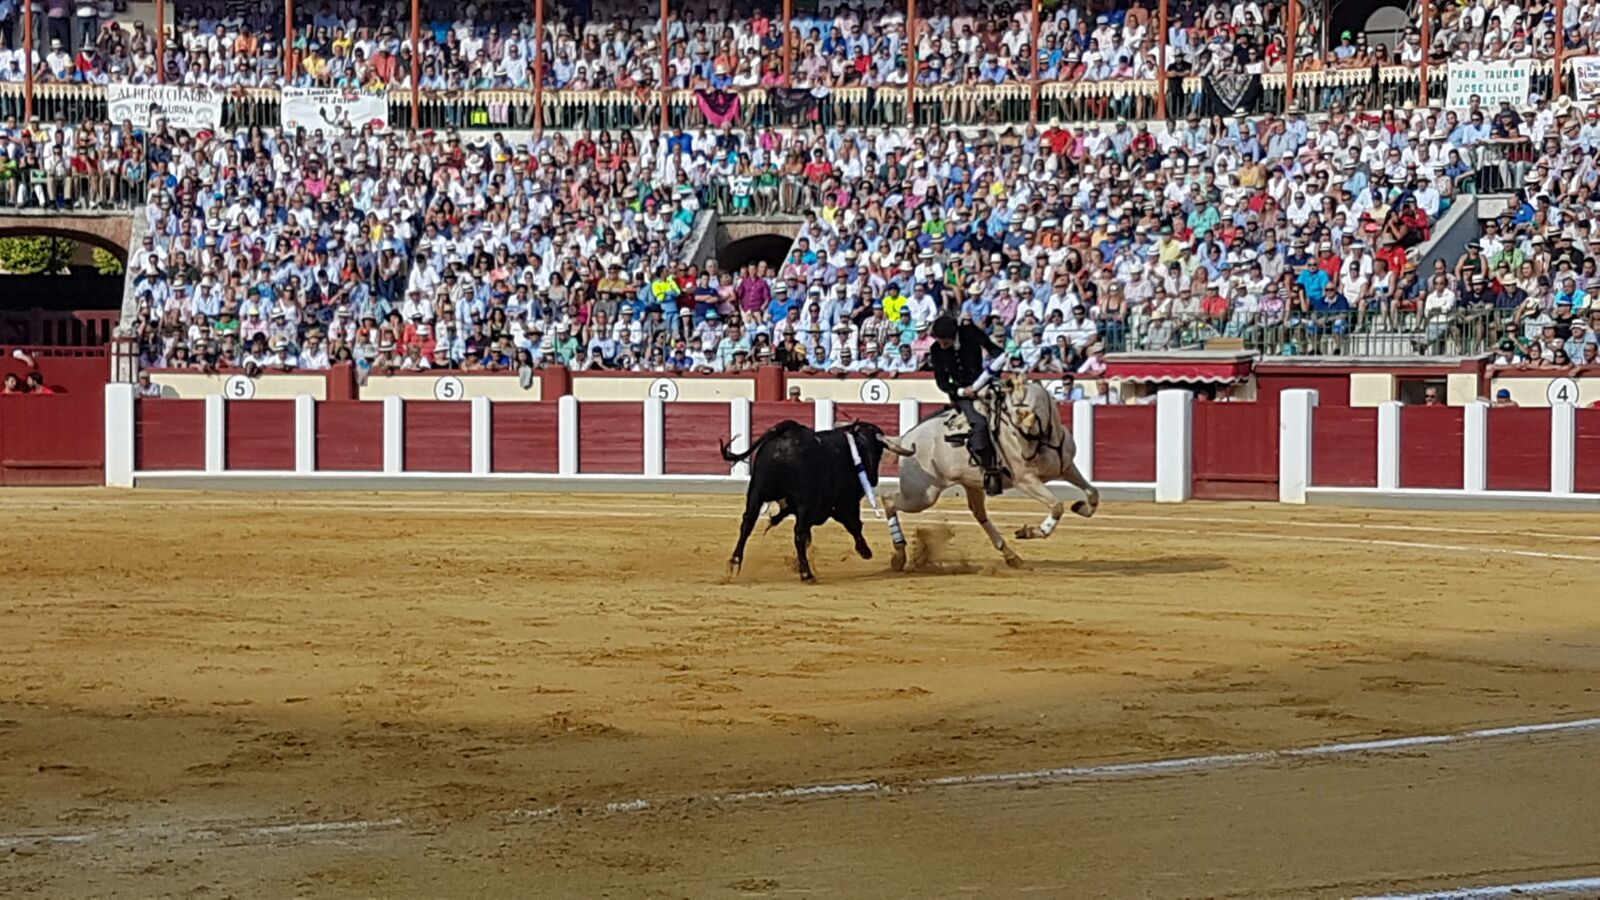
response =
{"points": [[978, 503], [1036, 489]]}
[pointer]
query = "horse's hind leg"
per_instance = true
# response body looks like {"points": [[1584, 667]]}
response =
{"points": [[978, 503], [1036, 489], [1091, 494]]}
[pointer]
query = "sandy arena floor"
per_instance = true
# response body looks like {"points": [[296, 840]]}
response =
{"points": [[432, 695]]}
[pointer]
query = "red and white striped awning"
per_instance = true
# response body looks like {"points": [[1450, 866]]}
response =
{"points": [[1180, 371]]}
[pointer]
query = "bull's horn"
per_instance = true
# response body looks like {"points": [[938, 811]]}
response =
{"points": [[893, 446]]}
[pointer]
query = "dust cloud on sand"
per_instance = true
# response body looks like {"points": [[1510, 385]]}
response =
{"points": [[934, 552]]}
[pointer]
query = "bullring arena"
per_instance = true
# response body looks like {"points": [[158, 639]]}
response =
{"points": [[428, 694]]}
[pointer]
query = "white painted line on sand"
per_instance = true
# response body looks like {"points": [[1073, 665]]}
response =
{"points": [[1104, 772], [214, 831], [198, 832], [1526, 889]]}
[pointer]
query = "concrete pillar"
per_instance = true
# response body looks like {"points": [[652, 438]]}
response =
{"points": [[305, 434], [1563, 448], [1296, 409], [1174, 446], [1389, 446], [1083, 437], [216, 433], [910, 414], [655, 436], [822, 414], [394, 435], [1475, 447], [482, 435], [567, 428], [119, 435], [739, 432]]}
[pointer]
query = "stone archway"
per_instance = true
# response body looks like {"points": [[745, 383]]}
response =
{"points": [[111, 232], [772, 248]]}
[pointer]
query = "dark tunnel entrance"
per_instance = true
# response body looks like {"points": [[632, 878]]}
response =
{"points": [[770, 248]]}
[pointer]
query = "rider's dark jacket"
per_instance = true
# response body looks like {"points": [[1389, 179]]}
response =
{"points": [[959, 366]]}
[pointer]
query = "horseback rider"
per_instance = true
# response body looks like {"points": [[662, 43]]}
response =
{"points": [[959, 367]]}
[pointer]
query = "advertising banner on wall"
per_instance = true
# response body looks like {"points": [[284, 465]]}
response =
{"points": [[333, 109], [1586, 78], [182, 106], [1492, 82]]}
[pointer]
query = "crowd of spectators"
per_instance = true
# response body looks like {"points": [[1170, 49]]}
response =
{"points": [[616, 45], [413, 251], [399, 251]]}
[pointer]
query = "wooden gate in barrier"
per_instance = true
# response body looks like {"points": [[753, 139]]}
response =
{"points": [[1236, 451], [52, 439]]}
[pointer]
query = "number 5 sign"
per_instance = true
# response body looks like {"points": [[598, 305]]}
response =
{"points": [[663, 389], [449, 387], [875, 390], [239, 387]]}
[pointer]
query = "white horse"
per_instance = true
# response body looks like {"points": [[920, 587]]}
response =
{"points": [[1031, 443]]}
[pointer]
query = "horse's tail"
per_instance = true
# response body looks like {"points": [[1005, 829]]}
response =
{"points": [[783, 427]]}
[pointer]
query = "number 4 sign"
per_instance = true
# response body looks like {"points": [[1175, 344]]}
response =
{"points": [[1561, 390]]}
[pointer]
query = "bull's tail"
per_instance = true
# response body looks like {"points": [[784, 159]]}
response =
{"points": [[784, 427]]}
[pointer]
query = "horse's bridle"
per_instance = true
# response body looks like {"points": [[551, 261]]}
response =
{"points": [[1041, 438]]}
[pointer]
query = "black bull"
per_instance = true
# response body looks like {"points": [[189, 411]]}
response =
{"points": [[811, 475]]}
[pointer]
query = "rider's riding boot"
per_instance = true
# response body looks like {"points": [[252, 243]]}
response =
{"points": [[992, 483]]}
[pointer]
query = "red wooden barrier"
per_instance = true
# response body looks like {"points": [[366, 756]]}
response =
{"points": [[1235, 451], [1430, 446], [52, 439], [1344, 446], [169, 435], [764, 415], [525, 437], [438, 436], [883, 415], [349, 436], [692, 435], [65, 374], [260, 435], [611, 438], [1125, 443], [1588, 452], [1519, 450]]}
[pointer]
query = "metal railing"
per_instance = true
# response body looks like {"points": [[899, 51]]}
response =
{"points": [[41, 332], [1010, 103], [1402, 331], [41, 191]]}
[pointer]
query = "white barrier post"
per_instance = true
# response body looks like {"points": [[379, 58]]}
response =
{"points": [[910, 414], [739, 436], [655, 436], [394, 435], [216, 433], [567, 429], [305, 434], [1174, 446], [1295, 411], [1563, 448], [1083, 437], [119, 431], [822, 411], [482, 435], [1389, 445], [1475, 447]]}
